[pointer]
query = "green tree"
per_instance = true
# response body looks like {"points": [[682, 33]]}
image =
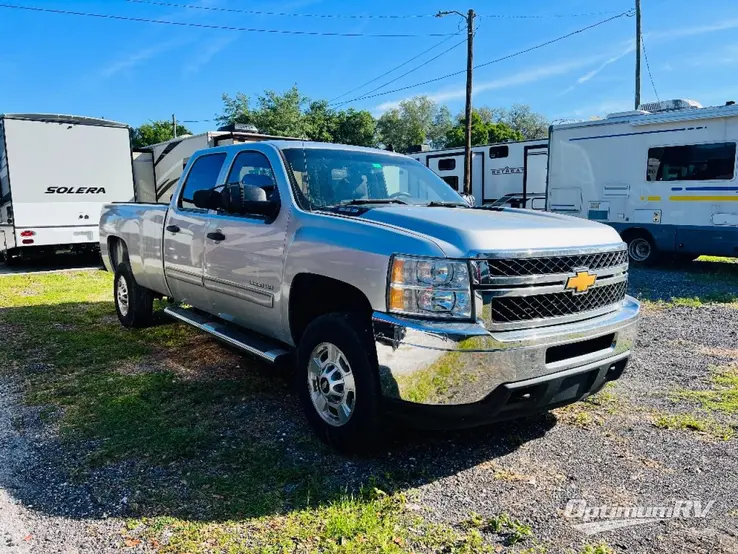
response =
{"points": [[415, 121], [484, 131], [155, 132], [524, 120], [355, 127]]}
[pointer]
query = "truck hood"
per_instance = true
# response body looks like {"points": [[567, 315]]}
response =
{"points": [[463, 232]]}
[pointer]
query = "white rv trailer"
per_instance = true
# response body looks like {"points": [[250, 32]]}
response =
{"points": [[663, 176], [158, 167], [512, 173], [56, 173]]}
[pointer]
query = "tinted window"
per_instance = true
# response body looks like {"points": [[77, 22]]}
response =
{"points": [[253, 168], [452, 181], [499, 152], [698, 162], [203, 175], [446, 164]]}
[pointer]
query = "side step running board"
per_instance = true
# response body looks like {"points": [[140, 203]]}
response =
{"points": [[258, 346]]}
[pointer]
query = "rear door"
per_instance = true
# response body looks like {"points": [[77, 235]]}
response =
{"points": [[243, 270], [184, 232]]}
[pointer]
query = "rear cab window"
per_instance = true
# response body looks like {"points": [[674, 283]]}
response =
{"points": [[203, 175]]}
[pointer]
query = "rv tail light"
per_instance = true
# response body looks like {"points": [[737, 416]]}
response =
{"points": [[28, 233], [27, 241]]}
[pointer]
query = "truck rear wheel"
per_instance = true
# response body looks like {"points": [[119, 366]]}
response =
{"points": [[337, 384], [133, 303]]}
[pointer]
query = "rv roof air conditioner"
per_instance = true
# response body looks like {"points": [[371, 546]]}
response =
{"points": [[670, 105]]}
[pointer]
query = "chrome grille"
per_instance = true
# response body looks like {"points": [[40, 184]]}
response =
{"points": [[524, 289], [545, 306], [551, 265]]}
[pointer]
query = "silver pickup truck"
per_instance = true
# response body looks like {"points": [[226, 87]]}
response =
{"points": [[391, 295]]}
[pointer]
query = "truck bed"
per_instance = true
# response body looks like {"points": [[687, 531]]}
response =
{"points": [[141, 227]]}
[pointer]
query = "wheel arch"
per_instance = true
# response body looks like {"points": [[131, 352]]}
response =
{"points": [[313, 295]]}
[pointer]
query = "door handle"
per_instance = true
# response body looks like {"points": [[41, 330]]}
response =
{"points": [[173, 228], [216, 236]]}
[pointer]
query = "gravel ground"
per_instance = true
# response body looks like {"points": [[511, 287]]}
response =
{"points": [[529, 469]]}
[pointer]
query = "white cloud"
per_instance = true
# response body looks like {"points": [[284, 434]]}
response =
{"points": [[672, 34], [520, 78], [206, 54], [129, 61]]}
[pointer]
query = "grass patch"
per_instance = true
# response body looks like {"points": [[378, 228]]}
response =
{"points": [[690, 422], [592, 410], [202, 439], [510, 529], [723, 397], [720, 402], [371, 522]]}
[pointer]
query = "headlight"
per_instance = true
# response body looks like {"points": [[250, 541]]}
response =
{"points": [[429, 287]]}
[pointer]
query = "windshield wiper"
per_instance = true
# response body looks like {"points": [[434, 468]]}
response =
{"points": [[360, 201], [437, 204]]}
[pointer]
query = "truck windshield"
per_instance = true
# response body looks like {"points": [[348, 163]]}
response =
{"points": [[328, 178]]}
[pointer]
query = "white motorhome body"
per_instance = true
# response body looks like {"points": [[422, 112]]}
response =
{"points": [[666, 180], [56, 173], [507, 173], [158, 167]]}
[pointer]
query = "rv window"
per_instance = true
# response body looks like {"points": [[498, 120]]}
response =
{"points": [[499, 152], [698, 162], [446, 164], [452, 181], [203, 175]]}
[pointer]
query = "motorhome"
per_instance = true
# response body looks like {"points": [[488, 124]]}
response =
{"points": [[158, 167], [663, 176], [56, 173], [510, 173]]}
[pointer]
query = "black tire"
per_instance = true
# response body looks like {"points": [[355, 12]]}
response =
{"points": [[139, 310], [642, 250], [351, 334]]}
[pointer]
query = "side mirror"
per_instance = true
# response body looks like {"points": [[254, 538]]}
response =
{"points": [[241, 199], [468, 198], [207, 199]]}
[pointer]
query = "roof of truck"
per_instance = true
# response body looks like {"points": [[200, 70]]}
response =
{"points": [[61, 118]]}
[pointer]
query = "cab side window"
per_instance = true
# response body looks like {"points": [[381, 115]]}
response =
{"points": [[254, 169], [203, 175]]}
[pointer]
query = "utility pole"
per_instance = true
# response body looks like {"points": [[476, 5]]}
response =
{"points": [[174, 125], [469, 17], [638, 54]]}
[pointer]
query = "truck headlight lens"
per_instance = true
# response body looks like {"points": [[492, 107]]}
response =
{"points": [[429, 287]]}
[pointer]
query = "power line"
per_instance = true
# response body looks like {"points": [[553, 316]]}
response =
{"points": [[414, 69], [648, 66], [509, 56], [218, 27], [256, 12], [545, 16], [356, 16], [403, 64]]}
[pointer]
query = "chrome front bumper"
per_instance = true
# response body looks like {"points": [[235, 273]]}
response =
{"points": [[456, 364]]}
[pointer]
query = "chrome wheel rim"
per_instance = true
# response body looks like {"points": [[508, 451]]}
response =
{"points": [[121, 294], [331, 384], [639, 249]]}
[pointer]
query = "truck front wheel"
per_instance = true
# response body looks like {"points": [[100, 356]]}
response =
{"points": [[133, 303], [336, 382]]}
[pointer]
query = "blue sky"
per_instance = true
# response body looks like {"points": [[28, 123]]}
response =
{"points": [[134, 72]]}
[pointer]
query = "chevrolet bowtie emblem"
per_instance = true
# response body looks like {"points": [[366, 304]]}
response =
{"points": [[581, 282]]}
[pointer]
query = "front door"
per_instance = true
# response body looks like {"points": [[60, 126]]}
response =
{"points": [[184, 233], [243, 269]]}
